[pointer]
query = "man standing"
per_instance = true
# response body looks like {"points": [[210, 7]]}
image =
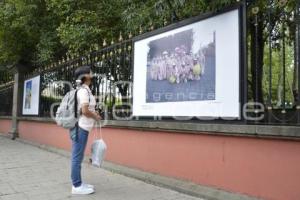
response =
{"points": [[80, 133]]}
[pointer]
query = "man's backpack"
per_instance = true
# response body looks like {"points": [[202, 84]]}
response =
{"points": [[67, 112]]}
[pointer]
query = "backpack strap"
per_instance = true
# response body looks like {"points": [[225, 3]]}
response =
{"points": [[89, 95], [76, 104]]}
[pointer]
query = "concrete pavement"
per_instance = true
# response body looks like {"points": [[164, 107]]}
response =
{"points": [[30, 173]]}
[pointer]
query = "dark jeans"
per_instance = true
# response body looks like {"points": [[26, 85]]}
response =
{"points": [[78, 148]]}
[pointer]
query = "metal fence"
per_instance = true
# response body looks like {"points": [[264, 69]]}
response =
{"points": [[112, 67], [6, 78], [273, 35], [6, 92], [6, 96]]}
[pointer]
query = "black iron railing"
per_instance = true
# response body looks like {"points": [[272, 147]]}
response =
{"points": [[6, 96], [112, 70], [6, 92], [6, 77]]}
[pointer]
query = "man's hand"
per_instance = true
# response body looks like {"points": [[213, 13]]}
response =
{"points": [[97, 116]]}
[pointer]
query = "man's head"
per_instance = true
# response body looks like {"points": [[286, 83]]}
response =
{"points": [[84, 75]]}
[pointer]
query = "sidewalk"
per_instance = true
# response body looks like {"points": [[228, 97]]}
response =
{"points": [[30, 173]]}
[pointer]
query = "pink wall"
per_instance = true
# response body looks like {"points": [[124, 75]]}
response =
{"points": [[269, 169], [5, 125], [45, 133]]}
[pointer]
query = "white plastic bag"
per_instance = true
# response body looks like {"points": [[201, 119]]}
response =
{"points": [[98, 149], [98, 152]]}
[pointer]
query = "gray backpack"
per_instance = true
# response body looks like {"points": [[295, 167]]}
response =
{"points": [[67, 112]]}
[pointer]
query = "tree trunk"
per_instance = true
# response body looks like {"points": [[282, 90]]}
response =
{"points": [[279, 91]]}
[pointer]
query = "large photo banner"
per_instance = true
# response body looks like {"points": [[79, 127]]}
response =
{"points": [[193, 70], [31, 96]]}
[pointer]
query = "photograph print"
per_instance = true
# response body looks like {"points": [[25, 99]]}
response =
{"points": [[182, 70], [31, 96], [28, 95], [182, 67]]}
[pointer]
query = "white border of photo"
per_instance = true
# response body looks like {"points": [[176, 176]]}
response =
{"points": [[227, 96]]}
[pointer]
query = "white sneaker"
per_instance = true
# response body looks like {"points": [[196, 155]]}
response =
{"points": [[88, 185], [82, 190]]}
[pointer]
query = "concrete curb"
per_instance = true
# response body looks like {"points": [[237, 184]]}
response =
{"points": [[181, 186]]}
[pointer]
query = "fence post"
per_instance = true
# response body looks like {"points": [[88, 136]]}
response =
{"points": [[298, 55], [269, 104], [19, 72], [14, 127]]}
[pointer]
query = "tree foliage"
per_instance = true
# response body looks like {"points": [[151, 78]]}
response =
{"points": [[35, 32], [19, 31]]}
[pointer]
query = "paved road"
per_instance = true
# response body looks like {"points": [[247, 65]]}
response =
{"points": [[30, 173]]}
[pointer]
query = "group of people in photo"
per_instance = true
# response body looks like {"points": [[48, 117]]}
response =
{"points": [[178, 66]]}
